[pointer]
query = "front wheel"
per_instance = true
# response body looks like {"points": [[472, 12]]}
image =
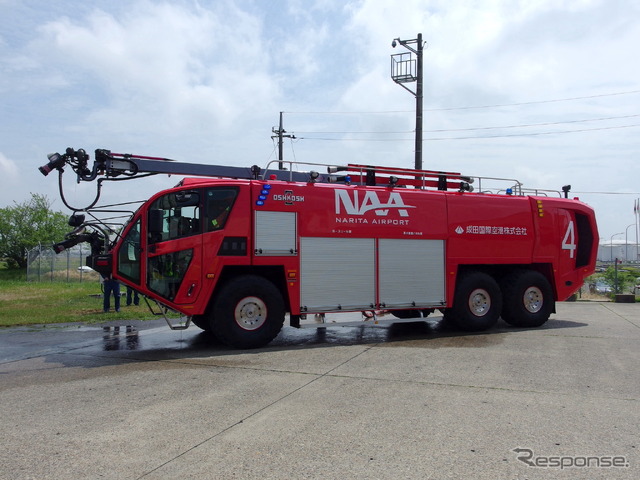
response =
{"points": [[202, 322], [528, 299], [248, 312], [477, 302]]}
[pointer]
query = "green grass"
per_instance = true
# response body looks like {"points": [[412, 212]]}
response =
{"points": [[33, 303], [6, 274]]}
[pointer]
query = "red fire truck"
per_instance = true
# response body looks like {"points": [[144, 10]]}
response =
{"points": [[237, 250]]}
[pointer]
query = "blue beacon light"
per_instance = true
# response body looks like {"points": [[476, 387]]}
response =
{"points": [[263, 195]]}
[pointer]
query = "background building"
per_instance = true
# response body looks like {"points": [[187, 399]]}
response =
{"points": [[609, 250]]}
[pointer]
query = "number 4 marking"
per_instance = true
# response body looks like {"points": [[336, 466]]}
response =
{"points": [[569, 240]]}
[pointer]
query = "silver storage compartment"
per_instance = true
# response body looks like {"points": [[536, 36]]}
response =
{"points": [[411, 273], [337, 274]]}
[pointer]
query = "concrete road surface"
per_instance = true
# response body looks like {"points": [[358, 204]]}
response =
{"points": [[412, 400]]}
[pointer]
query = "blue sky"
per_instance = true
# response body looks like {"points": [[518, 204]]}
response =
{"points": [[558, 84]]}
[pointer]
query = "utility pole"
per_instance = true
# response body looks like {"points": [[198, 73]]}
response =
{"points": [[419, 106], [404, 69], [280, 135], [636, 214]]}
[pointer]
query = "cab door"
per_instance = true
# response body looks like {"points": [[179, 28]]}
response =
{"points": [[174, 253], [129, 265]]}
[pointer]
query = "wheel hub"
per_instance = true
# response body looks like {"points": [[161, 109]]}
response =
{"points": [[533, 299], [251, 313], [479, 302]]}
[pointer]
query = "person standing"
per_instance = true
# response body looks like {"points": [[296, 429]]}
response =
{"points": [[136, 298], [111, 287]]}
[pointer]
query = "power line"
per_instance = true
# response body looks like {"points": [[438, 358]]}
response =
{"points": [[482, 128], [544, 124], [532, 134], [498, 105], [537, 102], [359, 132]]}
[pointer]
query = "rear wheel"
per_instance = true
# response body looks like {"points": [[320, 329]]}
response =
{"points": [[248, 312], [477, 302], [528, 299]]}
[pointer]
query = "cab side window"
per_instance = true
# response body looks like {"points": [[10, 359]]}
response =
{"points": [[219, 203]]}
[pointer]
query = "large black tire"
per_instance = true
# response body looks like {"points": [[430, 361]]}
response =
{"points": [[202, 322], [403, 314], [477, 302], [248, 312], [528, 299]]}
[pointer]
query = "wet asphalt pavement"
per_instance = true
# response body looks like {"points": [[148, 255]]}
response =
{"points": [[130, 400]]}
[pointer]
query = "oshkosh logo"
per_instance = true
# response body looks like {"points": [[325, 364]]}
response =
{"points": [[289, 198], [349, 200]]}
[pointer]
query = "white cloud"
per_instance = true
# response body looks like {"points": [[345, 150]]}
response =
{"points": [[507, 48], [8, 168], [161, 67]]}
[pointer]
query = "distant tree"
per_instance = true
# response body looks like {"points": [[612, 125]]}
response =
{"points": [[623, 281], [25, 225]]}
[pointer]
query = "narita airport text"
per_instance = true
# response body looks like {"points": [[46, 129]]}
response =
{"points": [[375, 221]]}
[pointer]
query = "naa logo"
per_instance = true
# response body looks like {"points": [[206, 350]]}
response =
{"points": [[351, 202]]}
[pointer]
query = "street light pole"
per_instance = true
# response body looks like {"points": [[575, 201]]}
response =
{"points": [[611, 243], [626, 242], [615, 266]]}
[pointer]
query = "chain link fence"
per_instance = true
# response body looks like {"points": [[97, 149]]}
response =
{"points": [[44, 265]]}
